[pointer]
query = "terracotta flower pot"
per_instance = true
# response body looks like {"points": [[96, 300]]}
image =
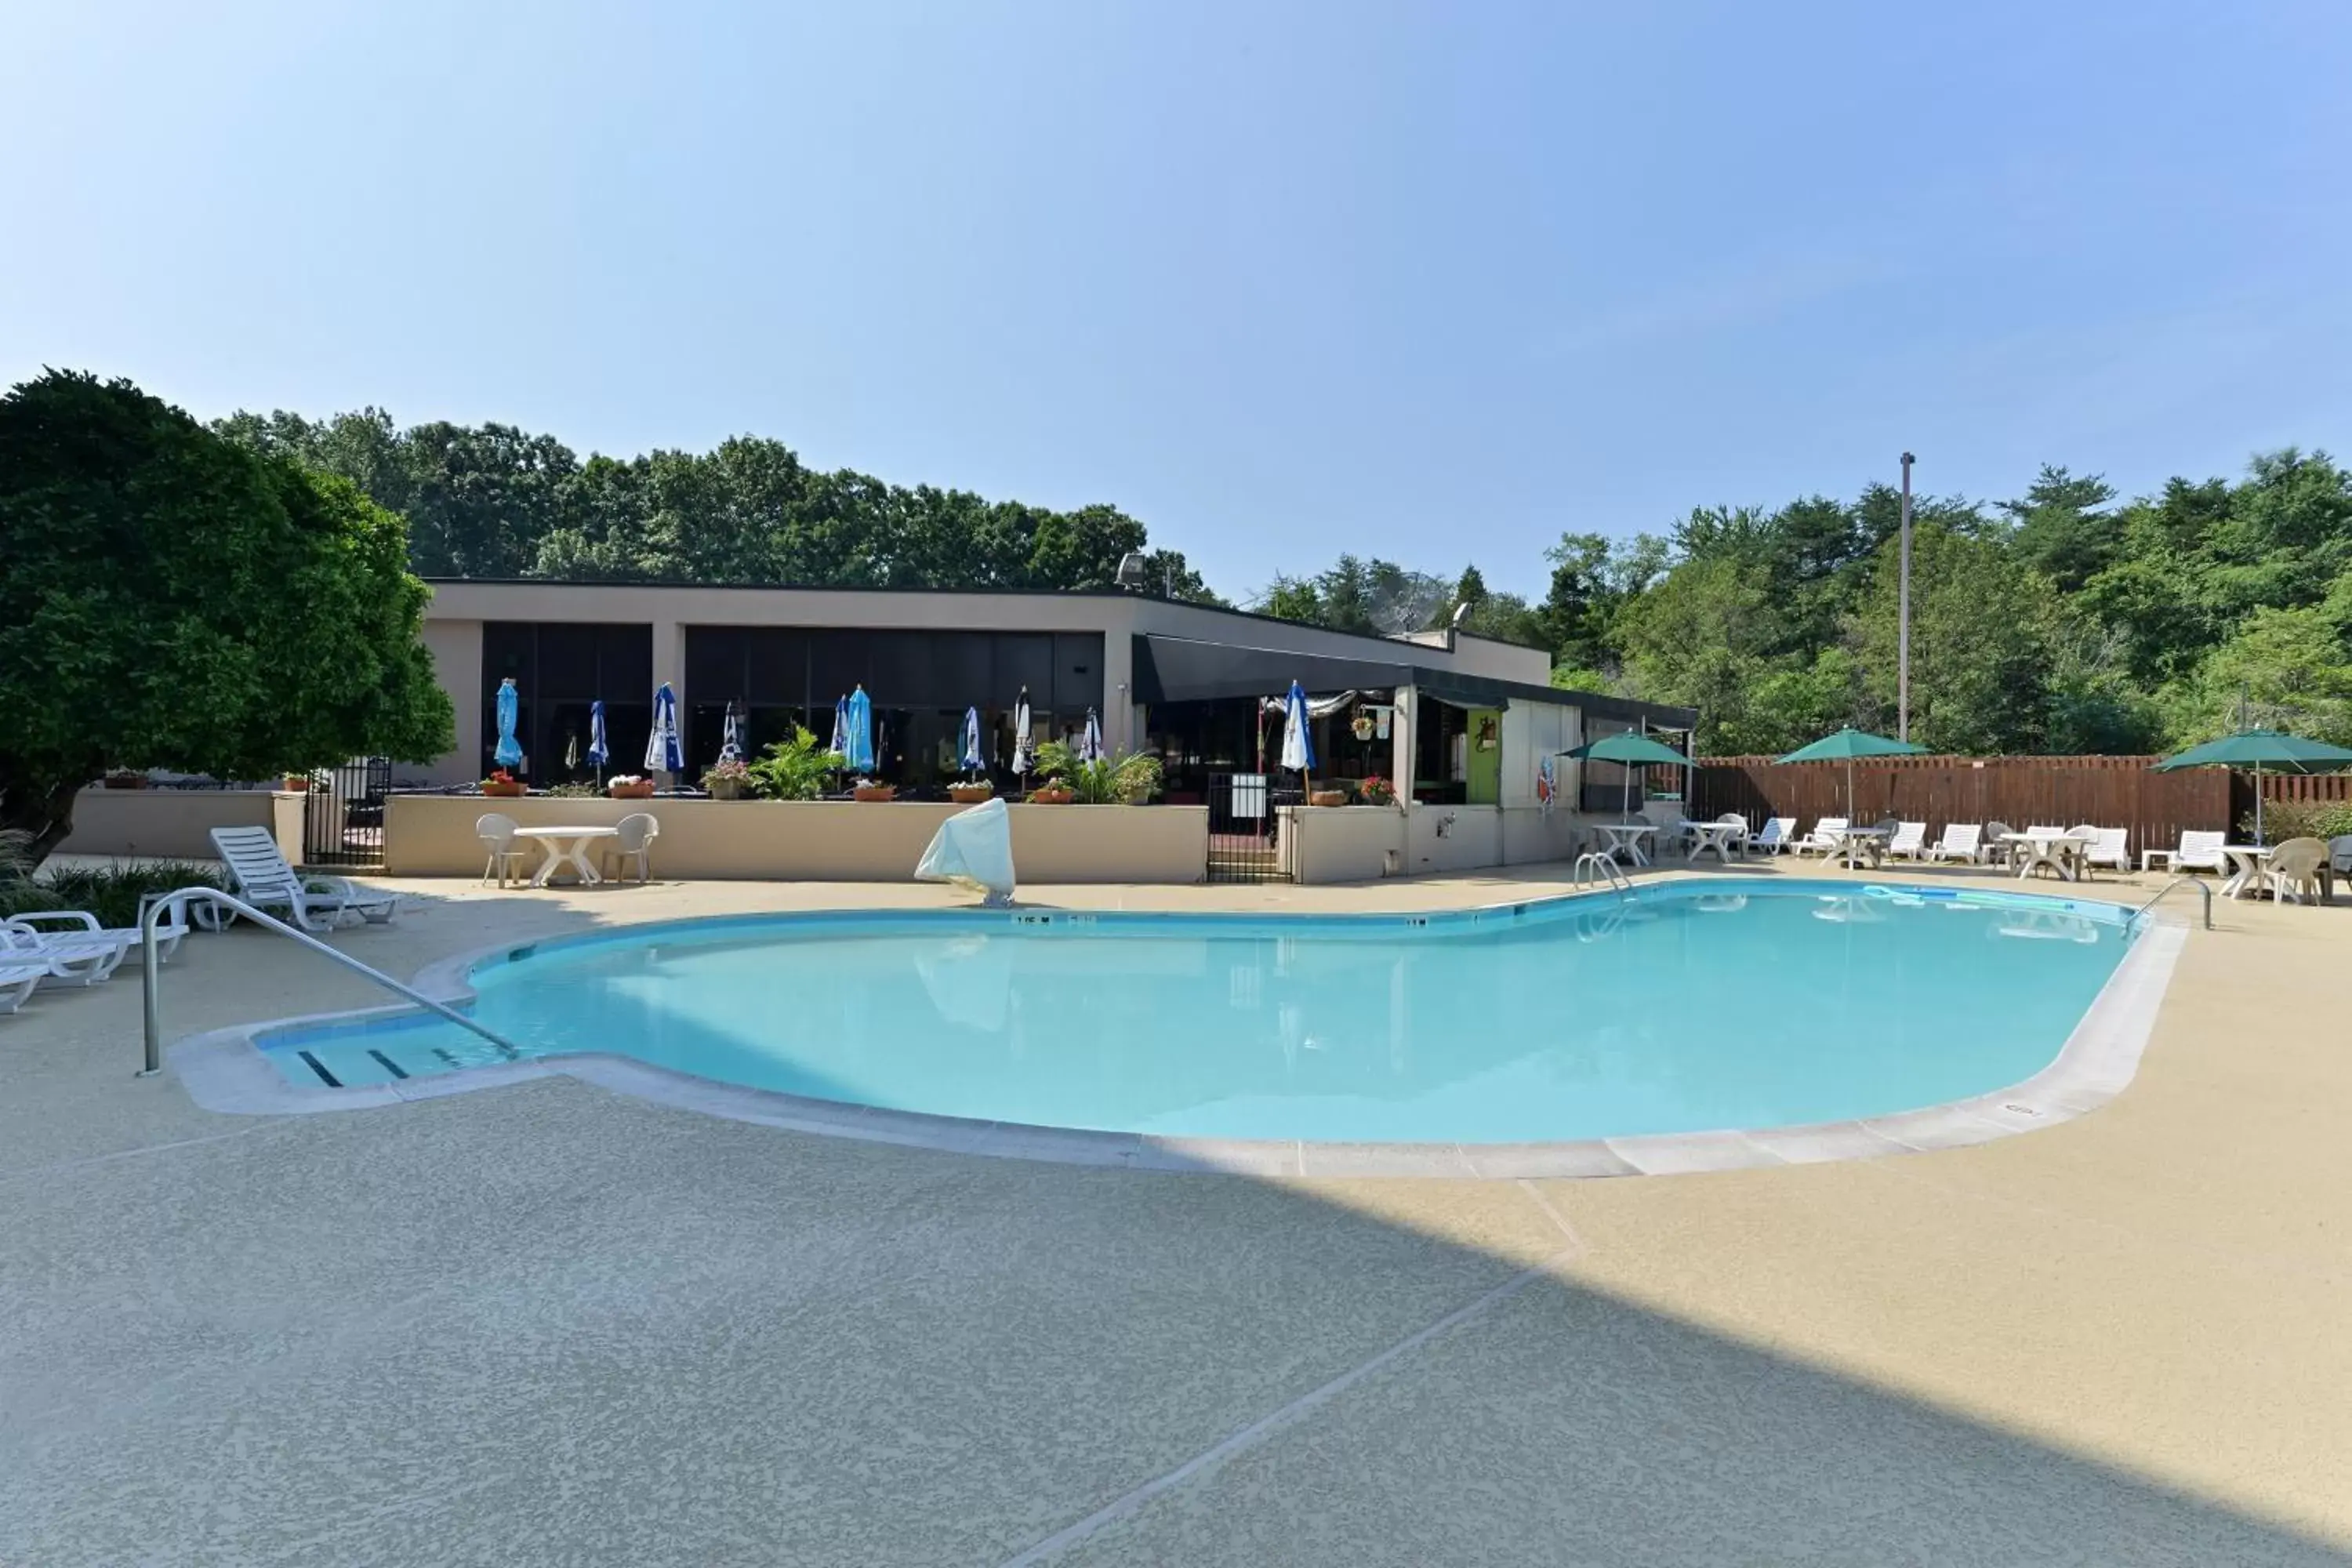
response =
{"points": [[298, 782], [1328, 797], [125, 781], [510, 790], [642, 790], [971, 794], [1051, 795], [875, 791], [729, 789]]}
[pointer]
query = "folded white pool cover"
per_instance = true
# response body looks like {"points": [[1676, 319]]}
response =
{"points": [[973, 849]]}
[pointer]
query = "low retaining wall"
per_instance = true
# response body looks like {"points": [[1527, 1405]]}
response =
{"points": [[814, 841], [176, 824]]}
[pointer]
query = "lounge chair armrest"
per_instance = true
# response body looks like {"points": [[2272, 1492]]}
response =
{"points": [[81, 918]]}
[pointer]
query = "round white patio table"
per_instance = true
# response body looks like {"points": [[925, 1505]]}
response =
{"points": [[1628, 837], [1722, 837], [2248, 866], [565, 846], [1853, 841], [2061, 852]]}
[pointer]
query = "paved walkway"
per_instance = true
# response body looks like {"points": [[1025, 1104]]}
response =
{"points": [[547, 1324]]}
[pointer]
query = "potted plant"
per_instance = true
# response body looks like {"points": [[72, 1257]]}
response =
{"points": [[504, 785], [868, 790], [1327, 798], [1374, 790], [1053, 792], [125, 778], [794, 768], [629, 787], [1130, 781], [728, 778], [1362, 726], [298, 782], [971, 792]]}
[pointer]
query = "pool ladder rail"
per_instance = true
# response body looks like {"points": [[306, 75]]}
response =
{"points": [[152, 971], [1603, 869], [2196, 883]]}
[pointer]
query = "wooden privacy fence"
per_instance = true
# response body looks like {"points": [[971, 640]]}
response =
{"points": [[2023, 792]]}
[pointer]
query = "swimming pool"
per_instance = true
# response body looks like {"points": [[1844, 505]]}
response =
{"points": [[1687, 1007]]}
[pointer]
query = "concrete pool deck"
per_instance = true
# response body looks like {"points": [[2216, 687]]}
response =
{"points": [[549, 1323]]}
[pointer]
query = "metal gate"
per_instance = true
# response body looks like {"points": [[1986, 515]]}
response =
{"points": [[342, 818], [1245, 828]]}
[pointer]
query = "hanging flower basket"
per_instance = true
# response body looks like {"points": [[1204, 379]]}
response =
{"points": [[1362, 726]]}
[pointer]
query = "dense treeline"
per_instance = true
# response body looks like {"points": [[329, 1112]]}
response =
{"points": [[491, 501], [2067, 620], [2062, 621]]}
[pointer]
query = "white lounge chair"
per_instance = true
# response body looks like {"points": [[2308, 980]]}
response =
{"points": [[1823, 837], [18, 976], [81, 927], [266, 881], [1909, 839], [2104, 847], [2199, 851], [1961, 841], [1777, 834], [66, 959], [497, 832], [634, 841]]}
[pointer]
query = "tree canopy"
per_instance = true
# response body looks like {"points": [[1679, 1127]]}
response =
{"points": [[170, 599], [2062, 621]]}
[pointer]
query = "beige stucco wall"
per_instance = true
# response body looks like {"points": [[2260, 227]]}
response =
{"points": [[455, 644], [176, 824], [839, 841], [1343, 843]]}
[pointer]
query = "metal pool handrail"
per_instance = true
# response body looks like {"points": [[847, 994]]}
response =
{"points": [[1604, 869], [2193, 882], [151, 963]]}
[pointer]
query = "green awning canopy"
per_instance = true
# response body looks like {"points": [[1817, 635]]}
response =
{"points": [[1850, 744], [2263, 749], [1637, 749]]}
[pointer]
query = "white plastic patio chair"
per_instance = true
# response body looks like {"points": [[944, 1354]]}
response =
{"points": [[65, 958], [497, 832], [2294, 869], [1991, 847], [1961, 841], [266, 881], [18, 976], [1910, 840], [1823, 838], [2339, 853], [634, 841], [2199, 851], [1777, 834]]}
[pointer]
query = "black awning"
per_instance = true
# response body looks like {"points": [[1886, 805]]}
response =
{"points": [[1179, 670]]}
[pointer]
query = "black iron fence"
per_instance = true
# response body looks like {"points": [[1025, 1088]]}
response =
{"points": [[1244, 826], [342, 818]]}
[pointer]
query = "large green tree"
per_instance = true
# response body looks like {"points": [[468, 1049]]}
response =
{"points": [[171, 599]]}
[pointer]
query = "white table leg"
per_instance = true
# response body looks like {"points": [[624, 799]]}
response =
{"points": [[578, 856], [551, 856]]}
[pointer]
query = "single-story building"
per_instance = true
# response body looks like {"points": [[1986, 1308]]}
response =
{"points": [[1461, 724]]}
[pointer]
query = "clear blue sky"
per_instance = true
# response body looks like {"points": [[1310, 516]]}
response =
{"points": [[1435, 282]]}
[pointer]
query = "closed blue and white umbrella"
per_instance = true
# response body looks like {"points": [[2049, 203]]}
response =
{"points": [[1298, 745], [1090, 746], [839, 744], [731, 745], [507, 753], [860, 751], [1024, 758], [663, 753], [972, 761], [599, 751]]}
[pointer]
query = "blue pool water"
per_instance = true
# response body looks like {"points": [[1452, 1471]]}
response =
{"points": [[1690, 1007]]}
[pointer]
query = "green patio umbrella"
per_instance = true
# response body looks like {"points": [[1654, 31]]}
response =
{"points": [[1633, 751], [1845, 746], [2259, 749]]}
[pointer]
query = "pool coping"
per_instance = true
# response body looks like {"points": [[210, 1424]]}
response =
{"points": [[225, 1071]]}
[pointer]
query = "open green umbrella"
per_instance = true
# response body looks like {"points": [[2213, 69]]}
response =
{"points": [[1633, 751], [1845, 746], [2259, 749]]}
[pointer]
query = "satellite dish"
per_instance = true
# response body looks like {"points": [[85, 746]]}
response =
{"points": [[1131, 570]]}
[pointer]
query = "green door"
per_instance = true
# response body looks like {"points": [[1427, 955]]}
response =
{"points": [[1484, 783]]}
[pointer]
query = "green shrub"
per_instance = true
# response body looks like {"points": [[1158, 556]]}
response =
{"points": [[794, 768], [1130, 781], [2285, 819], [110, 891]]}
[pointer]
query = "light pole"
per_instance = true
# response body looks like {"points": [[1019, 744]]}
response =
{"points": [[1903, 619]]}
